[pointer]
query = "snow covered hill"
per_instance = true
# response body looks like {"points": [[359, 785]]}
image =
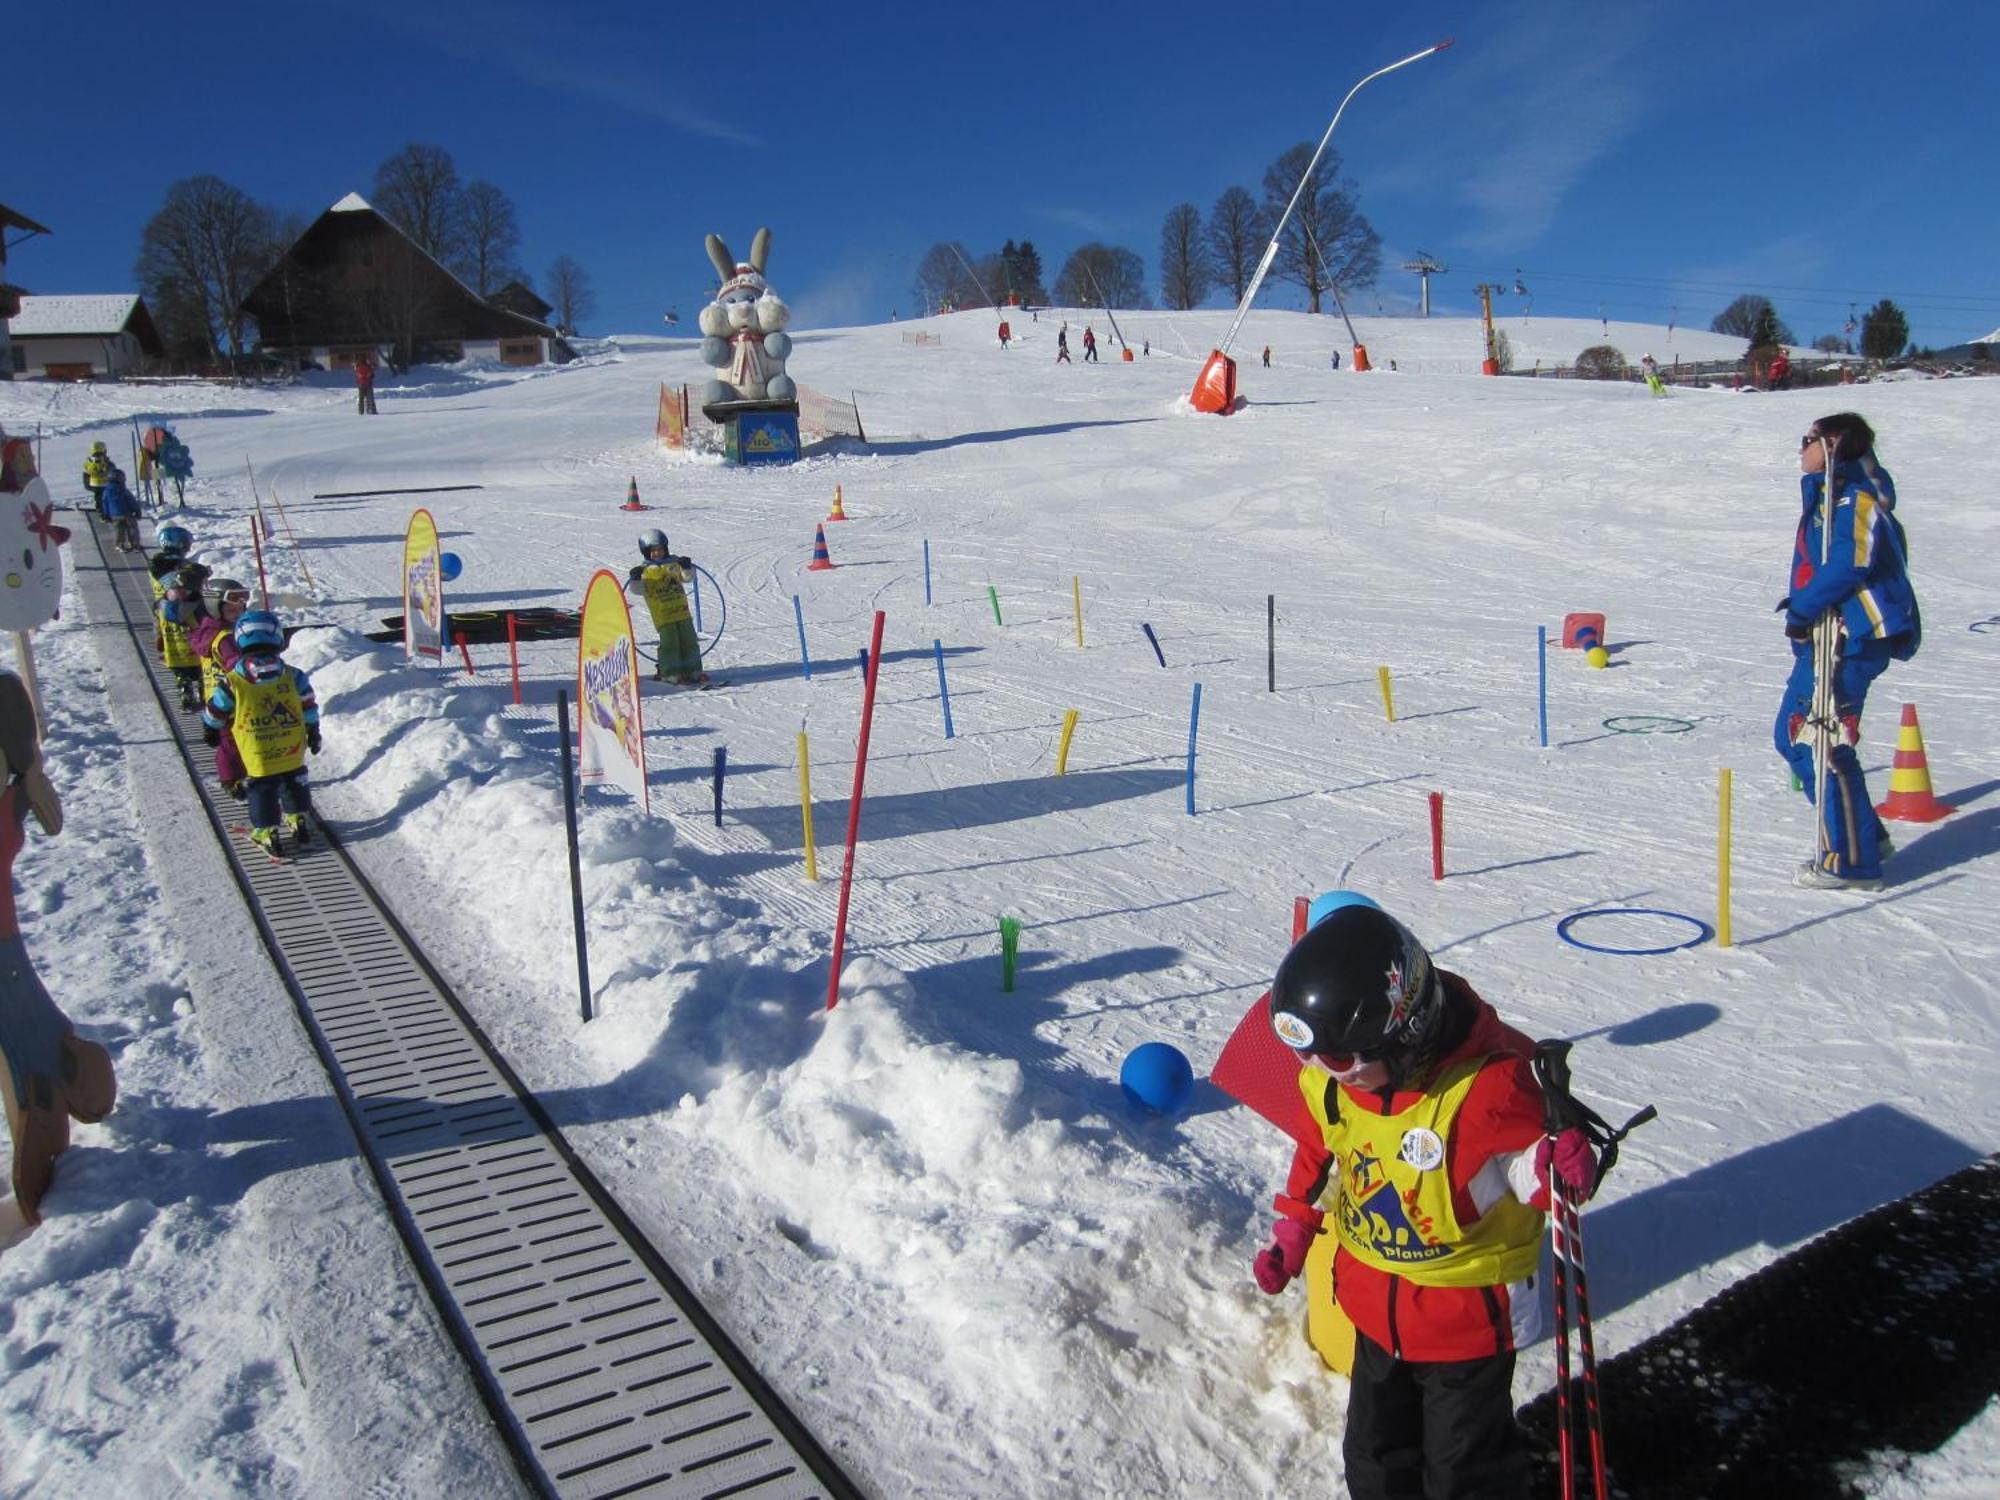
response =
{"points": [[932, 1216]]}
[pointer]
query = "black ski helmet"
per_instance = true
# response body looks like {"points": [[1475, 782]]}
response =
{"points": [[1358, 982], [651, 542]]}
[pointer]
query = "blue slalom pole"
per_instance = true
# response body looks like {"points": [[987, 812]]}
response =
{"points": [[1156, 644], [944, 693], [1542, 654], [927, 572], [805, 660], [864, 661], [721, 769], [697, 604], [1194, 725]]}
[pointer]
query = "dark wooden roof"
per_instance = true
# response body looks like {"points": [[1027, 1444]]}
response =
{"points": [[9, 219], [518, 297], [355, 278]]}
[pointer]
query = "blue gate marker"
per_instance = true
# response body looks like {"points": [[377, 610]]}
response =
{"points": [[927, 572], [1156, 644], [1194, 724], [697, 604], [864, 661], [721, 769], [805, 661], [1542, 654], [944, 693]]}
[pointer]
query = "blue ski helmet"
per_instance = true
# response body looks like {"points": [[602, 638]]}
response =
{"points": [[1328, 902], [259, 630], [175, 539]]}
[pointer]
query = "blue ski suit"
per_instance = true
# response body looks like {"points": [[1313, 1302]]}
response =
{"points": [[1865, 578]]}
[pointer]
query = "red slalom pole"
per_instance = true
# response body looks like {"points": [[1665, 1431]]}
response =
{"points": [[514, 658], [854, 811], [465, 651], [1300, 909], [258, 542], [1437, 835]]}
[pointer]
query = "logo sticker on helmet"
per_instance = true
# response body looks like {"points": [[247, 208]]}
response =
{"points": [[1399, 999], [1421, 1149], [1292, 1031]]}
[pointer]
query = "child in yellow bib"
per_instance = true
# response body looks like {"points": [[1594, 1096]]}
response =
{"points": [[1431, 1176], [269, 706], [663, 580]]}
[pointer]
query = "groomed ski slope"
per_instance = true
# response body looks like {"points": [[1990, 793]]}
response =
{"points": [[953, 1246]]}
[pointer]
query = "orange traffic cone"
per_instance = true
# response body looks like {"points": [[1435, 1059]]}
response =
{"points": [[1910, 796], [838, 513], [632, 495], [821, 562]]}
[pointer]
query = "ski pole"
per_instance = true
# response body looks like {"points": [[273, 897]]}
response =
{"points": [[1586, 1346], [1559, 1259]]}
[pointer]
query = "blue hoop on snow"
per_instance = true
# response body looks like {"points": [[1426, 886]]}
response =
{"points": [[1648, 724], [721, 624], [1702, 931], [1978, 627]]}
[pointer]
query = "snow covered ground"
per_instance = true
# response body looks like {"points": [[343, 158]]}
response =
{"points": [[931, 1216]]}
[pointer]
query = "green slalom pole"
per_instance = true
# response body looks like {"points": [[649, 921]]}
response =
{"points": [[1010, 947]]}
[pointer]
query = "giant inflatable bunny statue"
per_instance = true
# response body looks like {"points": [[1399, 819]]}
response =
{"points": [[743, 330]]}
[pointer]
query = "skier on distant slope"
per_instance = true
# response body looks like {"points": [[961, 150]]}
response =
{"points": [[1433, 1173], [1862, 592]]}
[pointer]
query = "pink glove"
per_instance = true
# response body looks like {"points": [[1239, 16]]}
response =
{"points": [[1575, 1166], [1280, 1261]]}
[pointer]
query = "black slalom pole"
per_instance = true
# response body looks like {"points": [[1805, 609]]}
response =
{"points": [[1271, 642], [575, 859]]}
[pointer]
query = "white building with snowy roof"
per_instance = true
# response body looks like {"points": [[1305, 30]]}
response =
{"points": [[82, 336]]}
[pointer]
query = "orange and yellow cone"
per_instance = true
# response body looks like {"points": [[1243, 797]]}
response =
{"points": [[632, 495], [821, 562], [837, 514], [1910, 797]]}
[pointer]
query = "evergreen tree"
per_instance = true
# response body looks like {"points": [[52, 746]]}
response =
{"points": [[1885, 332]]}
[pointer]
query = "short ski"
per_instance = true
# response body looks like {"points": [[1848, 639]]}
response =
{"points": [[276, 853]]}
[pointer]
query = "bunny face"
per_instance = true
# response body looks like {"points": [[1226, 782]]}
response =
{"points": [[30, 558]]}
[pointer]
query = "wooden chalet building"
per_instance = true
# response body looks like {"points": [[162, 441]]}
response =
{"points": [[355, 283], [10, 296]]}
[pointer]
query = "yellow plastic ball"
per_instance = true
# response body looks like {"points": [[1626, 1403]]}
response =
{"points": [[1597, 656]]}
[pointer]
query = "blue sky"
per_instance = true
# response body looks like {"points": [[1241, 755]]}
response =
{"points": [[1647, 160]]}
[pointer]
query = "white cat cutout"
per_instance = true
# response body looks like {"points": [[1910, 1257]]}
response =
{"points": [[31, 570]]}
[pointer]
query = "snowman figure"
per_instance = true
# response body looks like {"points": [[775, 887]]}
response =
{"points": [[743, 330]]}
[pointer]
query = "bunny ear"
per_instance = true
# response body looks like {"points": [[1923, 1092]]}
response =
{"points": [[760, 250], [725, 263]]}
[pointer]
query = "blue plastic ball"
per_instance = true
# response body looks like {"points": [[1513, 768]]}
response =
{"points": [[1157, 1077], [1332, 901], [449, 566]]}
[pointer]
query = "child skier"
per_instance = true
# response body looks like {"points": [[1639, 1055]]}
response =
{"points": [[269, 705], [120, 507], [174, 543], [213, 639], [181, 609], [1433, 1174], [662, 578], [96, 471]]}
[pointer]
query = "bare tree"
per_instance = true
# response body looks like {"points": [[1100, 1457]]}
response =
{"points": [[1102, 276], [1326, 242], [418, 189], [1185, 275], [491, 237], [568, 289], [201, 255], [1754, 318], [944, 280], [1236, 235]]}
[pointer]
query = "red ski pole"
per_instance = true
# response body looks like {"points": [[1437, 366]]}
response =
{"points": [[1593, 1420], [854, 811], [1560, 1258]]}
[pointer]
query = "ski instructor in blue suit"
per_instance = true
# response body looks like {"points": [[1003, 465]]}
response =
{"points": [[1860, 576]]}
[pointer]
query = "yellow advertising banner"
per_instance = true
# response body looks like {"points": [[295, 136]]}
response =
{"points": [[671, 427], [423, 588], [611, 737]]}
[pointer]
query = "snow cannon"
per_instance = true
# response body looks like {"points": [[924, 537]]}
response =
{"points": [[1156, 1077], [1582, 631], [1360, 360], [1215, 387]]}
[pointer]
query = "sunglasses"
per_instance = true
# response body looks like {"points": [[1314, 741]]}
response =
{"points": [[1810, 438], [1341, 1062]]}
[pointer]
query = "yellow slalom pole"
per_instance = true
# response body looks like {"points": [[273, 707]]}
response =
{"points": [[1062, 746], [1076, 593], [806, 806], [1722, 866], [1388, 698]]}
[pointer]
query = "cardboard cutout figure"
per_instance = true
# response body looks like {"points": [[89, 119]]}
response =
{"points": [[48, 1074]]}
